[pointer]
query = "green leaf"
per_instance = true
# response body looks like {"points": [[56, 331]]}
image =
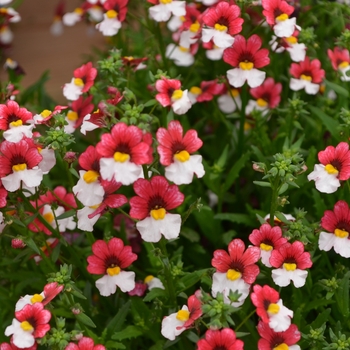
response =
{"points": [[262, 183], [74, 172], [66, 214], [321, 319], [150, 103], [128, 333], [192, 278], [283, 188], [114, 345], [330, 123], [337, 88], [154, 293], [234, 171], [192, 235], [223, 158], [31, 244], [83, 318], [238, 218], [258, 153], [118, 320], [342, 295]]}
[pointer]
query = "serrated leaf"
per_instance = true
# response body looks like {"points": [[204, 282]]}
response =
{"points": [[154, 293], [128, 333], [262, 183], [66, 214], [83, 318]]}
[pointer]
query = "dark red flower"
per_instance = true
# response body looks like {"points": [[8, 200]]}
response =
{"points": [[224, 339]]}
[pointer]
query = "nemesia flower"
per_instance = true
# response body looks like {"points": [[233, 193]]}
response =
{"points": [[269, 306], [340, 59], [334, 167], [11, 346], [82, 81], [6, 35], [206, 91], [51, 290], [213, 52], [139, 290], [174, 324], [277, 221], [224, 339], [19, 163], [221, 22], [163, 9], [56, 27], [271, 340], [277, 14], [170, 94], [79, 109], [230, 100], [267, 238], [267, 96], [182, 56], [134, 63], [153, 282], [123, 152], [190, 27], [235, 270], [247, 57], [175, 153], [110, 259], [154, 198], [85, 343], [112, 20], [296, 50], [337, 223], [307, 75], [92, 121], [46, 115], [290, 261], [71, 18], [30, 323]]}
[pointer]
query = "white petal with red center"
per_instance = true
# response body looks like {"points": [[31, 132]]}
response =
{"points": [[214, 54], [89, 194], [16, 133], [283, 277], [265, 257], [281, 320], [71, 91], [30, 177], [227, 104], [161, 12], [299, 84], [125, 173], [221, 284], [71, 18], [48, 161], [172, 326], [84, 222], [181, 105], [324, 182], [87, 125], [220, 38], [182, 172], [180, 55], [20, 337], [125, 280], [109, 26], [28, 299], [341, 244], [151, 230], [285, 29], [187, 38], [106, 285], [237, 77], [297, 52]]}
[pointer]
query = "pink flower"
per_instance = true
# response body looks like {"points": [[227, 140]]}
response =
{"points": [[224, 339], [275, 8], [268, 94], [87, 74], [119, 6], [85, 343], [340, 58], [308, 70], [12, 114], [11, 346]]}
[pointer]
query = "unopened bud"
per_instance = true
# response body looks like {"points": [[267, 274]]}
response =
{"points": [[70, 157], [258, 168], [76, 311], [17, 243]]}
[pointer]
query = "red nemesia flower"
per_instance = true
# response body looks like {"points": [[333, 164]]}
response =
{"points": [[310, 71], [206, 91], [119, 6], [270, 340], [3, 196], [51, 290], [166, 88], [11, 113], [238, 259], [340, 58], [338, 158], [58, 196], [191, 18], [139, 290], [87, 74], [80, 109], [11, 346], [85, 343], [152, 195], [224, 339], [268, 94], [275, 8], [267, 238], [90, 160], [110, 259], [45, 116]]}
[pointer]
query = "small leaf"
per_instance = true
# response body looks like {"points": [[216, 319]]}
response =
{"points": [[74, 172], [31, 244], [66, 214], [262, 183], [150, 103], [330, 123], [83, 318], [118, 320], [337, 88], [127, 333], [234, 217], [154, 293]]}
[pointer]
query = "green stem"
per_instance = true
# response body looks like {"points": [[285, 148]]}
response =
{"points": [[240, 146], [273, 206], [245, 320]]}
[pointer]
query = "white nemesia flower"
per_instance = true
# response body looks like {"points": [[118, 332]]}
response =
{"points": [[16, 133], [237, 77], [227, 104], [30, 177], [280, 321], [297, 52], [84, 222], [220, 37], [109, 26], [175, 23], [56, 28], [107, 284], [87, 126], [20, 337], [163, 11], [253, 105], [341, 245], [181, 105], [72, 91], [283, 277], [215, 54], [48, 161], [344, 73], [71, 18], [154, 282], [299, 84], [95, 13], [324, 181], [172, 325], [285, 28], [180, 55], [28, 299]]}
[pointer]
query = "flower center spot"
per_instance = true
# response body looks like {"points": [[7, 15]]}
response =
{"points": [[292, 40], [195, 90], [234, 92], [331, 169], [36, 298], [273, 308], [16, 123], [341, 233], [165, 1], [182, 156], [49, 217], [112, 271], [26, 326], [290, 266], [183, 49], [283, 346], [121, 157], [306, 77], [220, 27], [45, 113], [19, 167], [343, 65], [266, 247], [183, 315], [233, 275], [78, 82], [246, 65], [91, 176], [177, 94], [261, 102], [148, 279], [111, 14], [282, 17], [158, 214], [72, 116], [194, 27], [79, 11]]}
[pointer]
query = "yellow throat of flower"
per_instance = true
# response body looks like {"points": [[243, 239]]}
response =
{"points": [[158, 214], [16, 123], [306, 77], [282, 17], [341, 233], [246, 65], [26, 326], [121, 157], [111, 14], [72, 116], [49, 217], [233, 275], [183, 315], [261, 102], [165, 1], [194, 27], [19, 167], [148, 279], [273, 308], [182, 156], [343, 65], [91, 176], [195, 90], [331, 169], [78, 82], [112, 271], [220, 27], [282, 346], [177, 94], [290, 266], [45, 113], [266, 247], [36, 298]]}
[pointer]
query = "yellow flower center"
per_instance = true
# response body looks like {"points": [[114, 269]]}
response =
{"points": [[183, 315], [261, 103], [45, 113], [331, 169], [91, 176], [246, 65], [94, 206], [290, 266], [26, 326], [343, 65], [165, 1], [282, 17], [247, 126], [182, 18], [49, 217], [292, 40], [129, 58], [341, 233], [306, 77], [182, 156], [78, 82], [72, 116], [194, 27], [273, 308], [112, 271], [177, 94], [234, 92], [220, 27], [183, 49], [265, 247], [111, 14], [16, 123], [195, 90], [148, 279], [158, 214], [121, 157], [233, 275], [79, 11], [19, 167], [36, 298], [283, 346]]}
